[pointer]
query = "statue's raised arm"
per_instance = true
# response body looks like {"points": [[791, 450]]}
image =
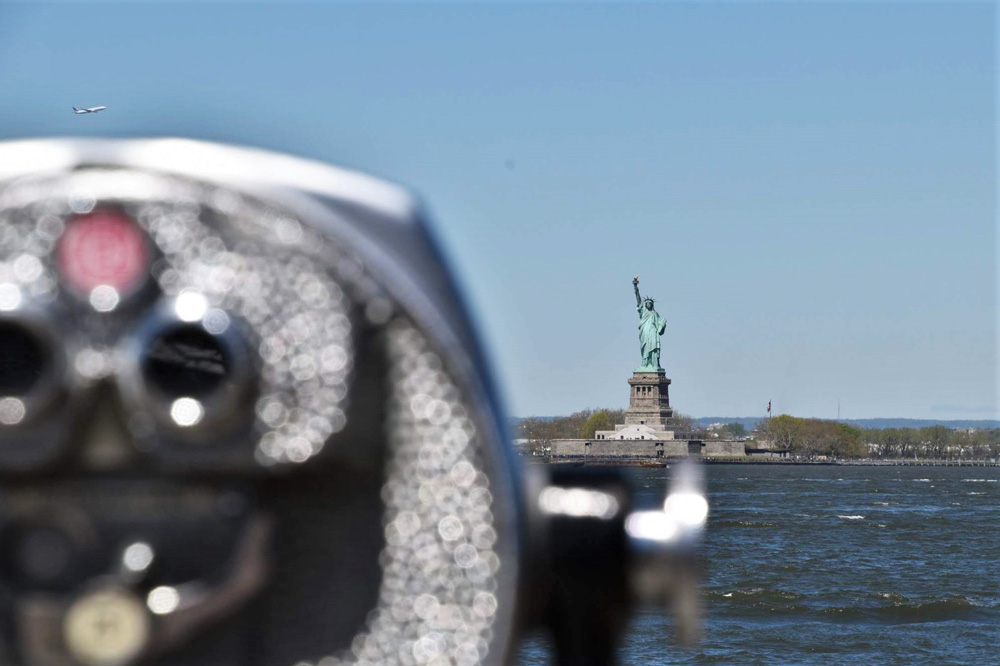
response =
{"points": [[635, 285]]}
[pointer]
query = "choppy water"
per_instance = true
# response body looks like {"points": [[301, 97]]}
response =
{"points": [[832, 565]]}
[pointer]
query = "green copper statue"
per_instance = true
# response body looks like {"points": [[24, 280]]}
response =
{"points": [[651, 327]]}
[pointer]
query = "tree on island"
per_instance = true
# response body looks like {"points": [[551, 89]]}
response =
{"points": [[733, 430], [684, 424], [812, 437], [598, 421]]}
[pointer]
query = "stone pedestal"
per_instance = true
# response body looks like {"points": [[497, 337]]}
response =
{"points": [[649, 401]]}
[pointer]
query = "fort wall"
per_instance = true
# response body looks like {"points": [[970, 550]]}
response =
{"points": [[644, 449]]}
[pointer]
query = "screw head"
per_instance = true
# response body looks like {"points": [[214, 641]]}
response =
{"points": [[106, 628]]}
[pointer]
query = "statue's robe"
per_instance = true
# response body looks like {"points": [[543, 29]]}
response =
{"points": [[651, 327]]}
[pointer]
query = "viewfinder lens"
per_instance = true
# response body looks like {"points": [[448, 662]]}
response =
{"points": [[186, 361], [22, 359]]}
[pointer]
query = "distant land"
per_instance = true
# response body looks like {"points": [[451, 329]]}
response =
{"points": [[879, 423], [749, 422]]}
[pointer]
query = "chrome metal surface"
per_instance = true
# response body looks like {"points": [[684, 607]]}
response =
{"points": [[256, 249]]}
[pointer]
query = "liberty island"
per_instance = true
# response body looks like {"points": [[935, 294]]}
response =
{"points": [[649, 431]]}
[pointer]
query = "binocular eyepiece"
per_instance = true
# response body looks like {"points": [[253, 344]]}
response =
{"points": [[30, 369], [190, 372]]}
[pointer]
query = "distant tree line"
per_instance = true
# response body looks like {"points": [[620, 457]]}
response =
{"points": [[816, 437], [933, 442]]}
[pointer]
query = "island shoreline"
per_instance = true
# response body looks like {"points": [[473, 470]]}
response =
{"points": [[619, 462]]}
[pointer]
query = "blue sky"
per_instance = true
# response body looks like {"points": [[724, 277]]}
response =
{"points": [[809, 190]]}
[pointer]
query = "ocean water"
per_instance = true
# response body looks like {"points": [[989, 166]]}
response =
{"points": [[835, 565]]}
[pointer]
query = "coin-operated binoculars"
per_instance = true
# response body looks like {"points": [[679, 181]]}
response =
{"points": [[245, 421]]}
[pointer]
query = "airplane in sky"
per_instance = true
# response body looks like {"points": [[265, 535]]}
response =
{"points": [[93, 109]]}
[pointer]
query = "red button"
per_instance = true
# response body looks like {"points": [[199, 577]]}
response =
{"points": [[102, 248]]}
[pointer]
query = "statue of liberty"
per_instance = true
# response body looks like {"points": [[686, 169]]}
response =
{"points": [[651, 327]]}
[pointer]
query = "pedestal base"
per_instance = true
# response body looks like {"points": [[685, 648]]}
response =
{"points": [[649, 399]]}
